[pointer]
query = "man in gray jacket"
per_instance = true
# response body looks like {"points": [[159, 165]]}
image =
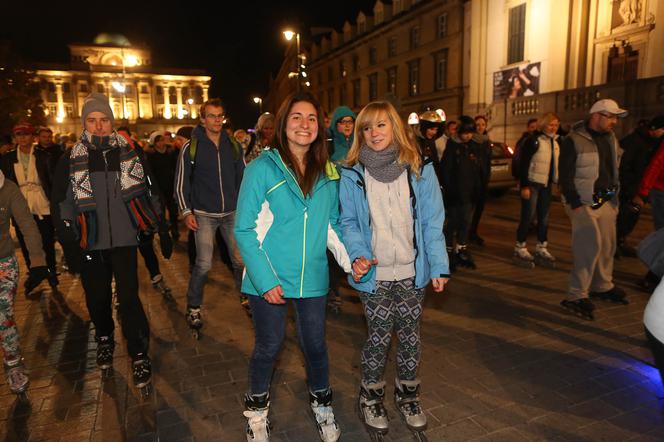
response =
{"points": [[588, 177], [110, 204]]}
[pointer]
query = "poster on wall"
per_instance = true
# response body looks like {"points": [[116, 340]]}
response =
{"points": [[520, 81]]}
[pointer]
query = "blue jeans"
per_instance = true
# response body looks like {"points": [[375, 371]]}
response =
{"points": [[204, 236], [270, 324], [539, 202]]}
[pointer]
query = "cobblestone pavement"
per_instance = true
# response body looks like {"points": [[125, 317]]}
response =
{"points": [[501, 360]]}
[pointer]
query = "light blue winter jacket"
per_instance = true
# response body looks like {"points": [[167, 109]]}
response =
{"points": [[282, 235], [428, 216]]}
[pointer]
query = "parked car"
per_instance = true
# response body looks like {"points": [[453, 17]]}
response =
{"points": [[501, 179]]}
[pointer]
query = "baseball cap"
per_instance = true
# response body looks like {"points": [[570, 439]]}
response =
{"points": [[608, 106], [23, 127]]}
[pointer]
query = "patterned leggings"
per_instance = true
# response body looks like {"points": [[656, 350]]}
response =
{"points": [[8, 283], [396, 305]]}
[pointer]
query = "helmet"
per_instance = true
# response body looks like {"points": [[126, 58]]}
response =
{"points": [[430, 119]]}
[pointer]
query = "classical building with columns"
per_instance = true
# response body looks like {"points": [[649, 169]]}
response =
{"points": [[142, 96]]}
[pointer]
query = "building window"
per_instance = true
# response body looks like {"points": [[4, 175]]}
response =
{"points": [[66, 88], [51, 87], [83, 87], [52, 109], [414, 77], [373, 87], [372, 56], [198, 94], [516, 34], [392, 80], [100, 88], [441, 25], [69, 110], [397, 7], [379, 16], [172, 95], [342, 69], [330, 98], [330, 73], [144, 89], [440, 66], [343, 95], [160, 91], [392, 47], [129, 89], [356, 62], [414, 37], [361, 27], [357, 98]]}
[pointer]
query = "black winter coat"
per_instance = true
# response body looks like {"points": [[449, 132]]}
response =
{"points": [[639, 149], [463, 171]]}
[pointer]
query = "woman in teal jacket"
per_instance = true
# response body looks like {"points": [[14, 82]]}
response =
{"points": [[392, 222], [287, 216]]}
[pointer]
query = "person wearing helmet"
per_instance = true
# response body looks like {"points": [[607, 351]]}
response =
{"points": [[431, 127], [461, 174]]}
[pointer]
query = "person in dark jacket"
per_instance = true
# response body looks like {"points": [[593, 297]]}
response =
{"points": [[163, 162], [31, 169], [481, 137], [45, 143], [207, 182], [462, 176], [638, 149], [430, 128], [109, 204]]}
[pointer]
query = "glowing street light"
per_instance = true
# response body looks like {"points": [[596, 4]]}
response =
{"points": [[259, 102], [288, 35], [119, 87]]}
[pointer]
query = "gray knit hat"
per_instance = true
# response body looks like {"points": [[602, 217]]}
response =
{"points": [[96, 102]]}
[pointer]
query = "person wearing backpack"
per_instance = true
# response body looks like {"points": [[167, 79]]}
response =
{"points": [[538, 173], [207, 182]]}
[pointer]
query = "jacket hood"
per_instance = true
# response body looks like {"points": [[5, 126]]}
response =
{"points": [[339, 113], [2, 179]]}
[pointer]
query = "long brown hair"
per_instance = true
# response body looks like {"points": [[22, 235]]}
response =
{"points": [[316, 156], [408, 151]]}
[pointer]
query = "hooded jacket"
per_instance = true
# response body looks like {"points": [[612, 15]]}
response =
{"points": [[13, 205], [462, 171], [340, 144], [209, 184], [282, 235], [428, 213]]}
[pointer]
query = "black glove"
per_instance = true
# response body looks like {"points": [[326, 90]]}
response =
{"points": [[35, 277], [67, 232], [166, 244]]}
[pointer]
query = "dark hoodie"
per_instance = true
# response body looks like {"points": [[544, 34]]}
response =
{"points": [[340, 144], [462, 171]]}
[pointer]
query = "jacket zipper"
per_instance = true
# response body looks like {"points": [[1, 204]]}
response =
{"points": [[304, 251], [108, 199], [221, 186]]}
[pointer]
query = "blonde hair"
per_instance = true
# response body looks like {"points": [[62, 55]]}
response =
{"points": [[404, 140], [546, 119]]}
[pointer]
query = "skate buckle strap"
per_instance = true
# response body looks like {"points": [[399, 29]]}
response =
{"points": [[410, 406], [257, 422], [375, 407], [324, 414]]}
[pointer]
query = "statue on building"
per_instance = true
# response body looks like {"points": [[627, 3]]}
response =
{"points": [[629, 11]]}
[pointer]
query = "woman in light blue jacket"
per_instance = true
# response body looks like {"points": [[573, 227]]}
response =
{"points": [[287, 216], [392, 222]]}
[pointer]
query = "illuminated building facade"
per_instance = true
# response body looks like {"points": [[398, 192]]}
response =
{"points": [[141, 96]]}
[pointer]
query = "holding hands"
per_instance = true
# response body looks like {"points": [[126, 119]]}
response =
{"points": [[361, 267], [439, 284]]}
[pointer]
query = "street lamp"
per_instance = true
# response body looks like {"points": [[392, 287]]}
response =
{"points": [[259, 102], [288, 35]]}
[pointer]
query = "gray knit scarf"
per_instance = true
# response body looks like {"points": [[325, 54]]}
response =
{"points": [[382, 164]]}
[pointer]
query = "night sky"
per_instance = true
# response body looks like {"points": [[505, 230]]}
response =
{"points": [[239, 44]]}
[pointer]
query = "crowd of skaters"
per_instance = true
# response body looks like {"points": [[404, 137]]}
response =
{"points": [[391, 205]]}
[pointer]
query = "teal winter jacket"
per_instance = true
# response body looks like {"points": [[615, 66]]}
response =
{"points": [[431, 259], [282, 235]]}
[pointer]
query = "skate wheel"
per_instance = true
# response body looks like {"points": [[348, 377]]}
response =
{"points": [[420, 436], [145, 391]]}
